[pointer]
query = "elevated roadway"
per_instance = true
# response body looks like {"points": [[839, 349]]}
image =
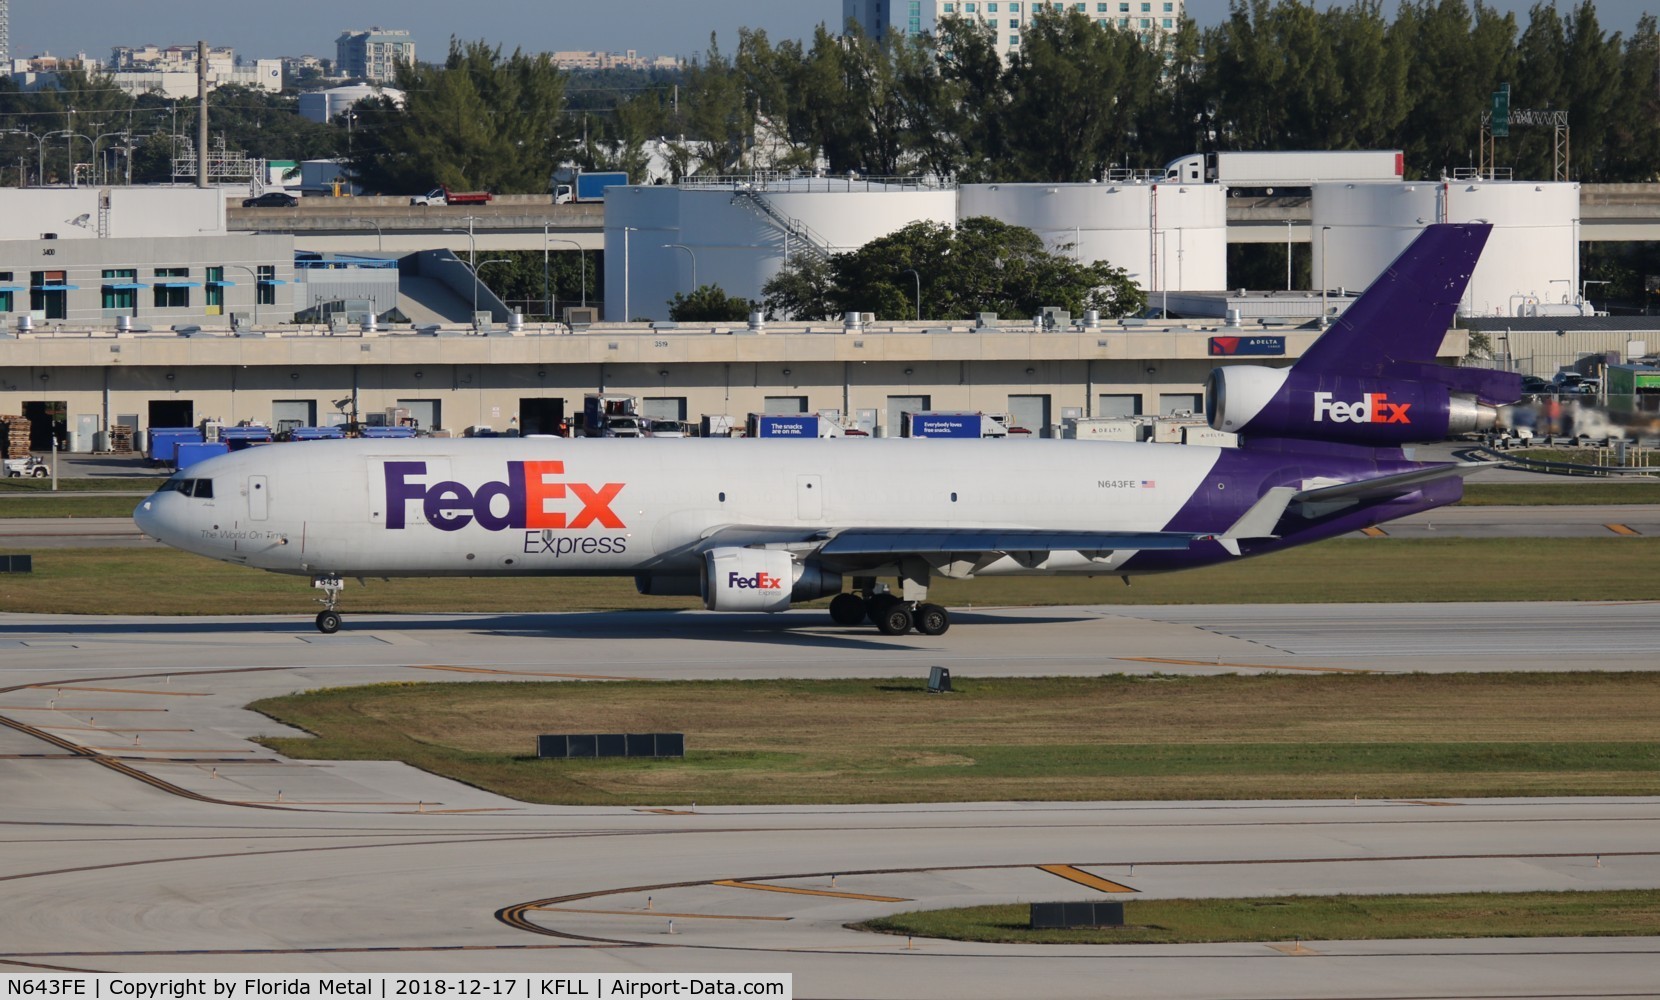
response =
{"points": [[1608, 212]]}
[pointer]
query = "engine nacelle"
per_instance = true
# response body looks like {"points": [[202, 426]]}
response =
{"points": [[1281, 402], [739, 579]]}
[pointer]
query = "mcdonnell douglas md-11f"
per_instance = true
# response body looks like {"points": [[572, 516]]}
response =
{"points": [[756, 525]]}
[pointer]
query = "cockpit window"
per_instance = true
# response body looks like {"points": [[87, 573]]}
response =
{"points": [[201, 489]]}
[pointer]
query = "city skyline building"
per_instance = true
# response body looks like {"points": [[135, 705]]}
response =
{"points": [[372, 54]]}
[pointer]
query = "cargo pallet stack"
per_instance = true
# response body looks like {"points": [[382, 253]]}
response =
{"points": [[17, 436]]}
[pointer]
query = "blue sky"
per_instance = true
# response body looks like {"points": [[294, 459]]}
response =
{"points": [[296, 27]]}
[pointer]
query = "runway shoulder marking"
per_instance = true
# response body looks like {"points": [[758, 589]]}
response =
{"points": [[524, 673], [735, 884], [101, 690], [668, 812], [658, 913], [1622, 529], [1242, 666], [1374, 532], [1082, 877]]}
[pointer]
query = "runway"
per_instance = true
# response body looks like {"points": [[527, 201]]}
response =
{"points": [[143, 831]]}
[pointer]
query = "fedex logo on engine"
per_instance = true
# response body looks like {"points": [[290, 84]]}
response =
{"points": [[1373, 408], [522, 501], [760, 581]]}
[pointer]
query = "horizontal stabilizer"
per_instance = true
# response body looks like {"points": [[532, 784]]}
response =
{"points": [[1383, 487]]}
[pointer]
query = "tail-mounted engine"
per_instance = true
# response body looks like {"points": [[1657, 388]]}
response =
{"points": [[1358, 409], [739, 579]]}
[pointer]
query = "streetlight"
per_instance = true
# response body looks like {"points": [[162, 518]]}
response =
{"points": [[581, 255], [254, 277], [472, 246], [913, 273], [1323, 282], [101, 138], [40, 152], [493, 260], [689, 253], [70, 137], [626, 230]]}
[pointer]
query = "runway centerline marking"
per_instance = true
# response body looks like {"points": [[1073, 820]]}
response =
{"points": [[735, 884], [1242, 666], [1082, 877]]}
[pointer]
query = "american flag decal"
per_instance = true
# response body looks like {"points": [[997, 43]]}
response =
{"points": [[1148, 484]]}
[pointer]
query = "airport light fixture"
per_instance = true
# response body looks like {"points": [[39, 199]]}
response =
{"points": [[480, 267], [581, 255], [913, 273], [689, 253]]}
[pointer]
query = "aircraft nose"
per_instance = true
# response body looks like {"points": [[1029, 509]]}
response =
{"points": [[148, 517]]}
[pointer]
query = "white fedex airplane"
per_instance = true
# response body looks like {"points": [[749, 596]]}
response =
{"points": [[754, 525]]}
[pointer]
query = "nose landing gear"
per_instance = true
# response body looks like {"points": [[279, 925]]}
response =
{"points": [[328, 619]]}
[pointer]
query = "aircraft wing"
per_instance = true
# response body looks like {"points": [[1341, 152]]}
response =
{"points": [[1322, 500], [853, 549]]}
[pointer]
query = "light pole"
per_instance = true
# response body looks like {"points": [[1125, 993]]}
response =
{"points": [[70, 137], [1323, 282], [492, 260], [472, 246], [689, 253], [40, 152], [254, 277], [626, 230], [101, 138], [581, 256], [913, 273]]}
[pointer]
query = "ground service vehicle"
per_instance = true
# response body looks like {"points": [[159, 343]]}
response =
{"points": [[757, 525], [444, 196], [1286, 172], [28, 466], [586, 186]]}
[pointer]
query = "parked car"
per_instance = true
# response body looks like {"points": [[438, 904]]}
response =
{"points": [[271, 199], [667, 429], [1533, 385]]}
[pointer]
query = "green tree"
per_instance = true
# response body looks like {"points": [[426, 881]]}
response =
{"points": [[801, 290], [981, 266], [708, 304], [477, 121]]}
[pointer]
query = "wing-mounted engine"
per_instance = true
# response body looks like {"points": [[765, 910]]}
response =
{"points": [[1356, 409], [746, 579]]}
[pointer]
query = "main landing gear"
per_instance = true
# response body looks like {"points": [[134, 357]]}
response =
{"points": [[328, 619], [890, 613]]}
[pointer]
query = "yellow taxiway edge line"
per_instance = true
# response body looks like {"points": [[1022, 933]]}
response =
{"points": [[1082, 877], [735, 884]]}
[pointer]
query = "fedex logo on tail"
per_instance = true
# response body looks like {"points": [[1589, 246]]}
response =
{"points": [[522, 501], [760, 581], [1373, 408]]}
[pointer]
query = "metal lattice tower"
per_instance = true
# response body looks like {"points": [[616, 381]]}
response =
{"points": [[5, 32]]}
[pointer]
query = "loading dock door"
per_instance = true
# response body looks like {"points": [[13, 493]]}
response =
{"points": [[172, 413], [540, 416]]}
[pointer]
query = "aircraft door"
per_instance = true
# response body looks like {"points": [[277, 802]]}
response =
{"points": [[257, 499], [809, 497]]}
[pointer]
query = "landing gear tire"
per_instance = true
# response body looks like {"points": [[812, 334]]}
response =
{"points": [[931, 619], [328, 622], [895, 619], [847, 609], [877, 605]]}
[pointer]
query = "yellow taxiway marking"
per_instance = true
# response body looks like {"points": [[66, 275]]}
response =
{"points": [[1082, 877], [1622, 529], [657, 913], [108, 729], [1374, 532], [1242, 666], [735, 884], [140, 749], [524, 673], [78, 708], [165, 694]]}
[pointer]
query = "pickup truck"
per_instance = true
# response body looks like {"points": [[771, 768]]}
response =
{"points": [[444, 196]]}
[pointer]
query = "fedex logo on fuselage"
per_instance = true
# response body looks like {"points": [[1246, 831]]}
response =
{"points": [[1373, 408], [522, 501], [760, 581]]}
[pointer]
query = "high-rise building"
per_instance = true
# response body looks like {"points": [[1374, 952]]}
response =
{"points": [[373, 54], [1007, 19], [5, 32]]}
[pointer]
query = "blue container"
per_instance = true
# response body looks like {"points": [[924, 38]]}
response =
{"points": [[388, 432], [944, 425], [191, 452], [316, 433], [165, 441]]}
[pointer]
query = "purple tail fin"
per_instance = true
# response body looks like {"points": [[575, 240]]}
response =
{"points": [[1404, 315]]}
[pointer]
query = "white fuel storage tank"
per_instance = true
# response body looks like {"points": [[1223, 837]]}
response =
{"points": [[737, 235], [1530, 265], [1167, 236]]}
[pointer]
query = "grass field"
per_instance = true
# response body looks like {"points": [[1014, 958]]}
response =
{"points": [[1558, 494], [160, 581], [1632, 913], [1000, 739]]}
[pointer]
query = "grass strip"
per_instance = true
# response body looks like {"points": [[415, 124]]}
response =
{"points": [[161, 581], [1560, 494], [1610, 913], [1005, 739], [71, 505], [83, 484]]}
